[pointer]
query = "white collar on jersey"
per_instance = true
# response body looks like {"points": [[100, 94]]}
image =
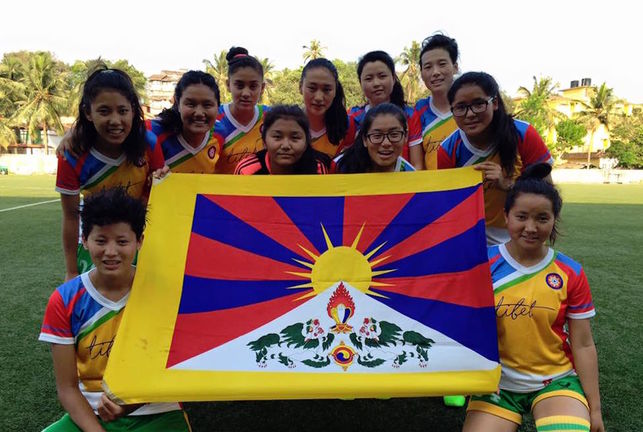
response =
{"points": [[247, 128], [521, 268], [194, 150]]}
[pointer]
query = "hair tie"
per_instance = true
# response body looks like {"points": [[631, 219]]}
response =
{"points": [[240, 55]]}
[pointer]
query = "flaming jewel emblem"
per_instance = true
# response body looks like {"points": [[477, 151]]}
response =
{"points": [[341, 308]]}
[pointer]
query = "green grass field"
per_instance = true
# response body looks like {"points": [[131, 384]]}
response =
{"points": [[602, 228]]}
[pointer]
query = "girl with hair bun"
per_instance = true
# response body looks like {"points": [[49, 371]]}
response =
{"points": [[543, 306], [239, 122]]}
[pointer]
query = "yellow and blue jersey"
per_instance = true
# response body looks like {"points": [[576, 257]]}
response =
{"points": [[180, 156], [436, 126], [238, 141], [92, 171], [78, 314], [532, 306]]}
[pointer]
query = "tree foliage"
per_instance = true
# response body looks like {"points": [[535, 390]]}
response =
{"points": [[570, 133], [218, 68], [410, 77], [627, 140], [536, 107], [313, 51]]}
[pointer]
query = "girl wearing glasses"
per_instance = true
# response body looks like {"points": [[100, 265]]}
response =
{"points": [[379, 143], [438, 65], [492, 140], [376, 73]]}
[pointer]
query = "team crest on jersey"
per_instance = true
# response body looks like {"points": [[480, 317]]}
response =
{"points": [[554, 280], [140, 163], [212, 152]]}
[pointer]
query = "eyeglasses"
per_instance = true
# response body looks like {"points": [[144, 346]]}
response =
{"points": [[394, 136], [476, 107]]}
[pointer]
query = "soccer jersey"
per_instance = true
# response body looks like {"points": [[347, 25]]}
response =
{"points": [[259, 163], [532, 306], [180, 156], [402, 165], [93, 171], [456, 151], [414, 130], [436, 126], [321, 143], [78, 314], [238, 140]]}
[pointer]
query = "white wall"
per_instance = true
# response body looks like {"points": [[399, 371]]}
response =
{"points": [[597, 176], [29, 164]]}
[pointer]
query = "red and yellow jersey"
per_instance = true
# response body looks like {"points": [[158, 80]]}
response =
{"points": [[238, 141], [93, 171], [456, 151], [436, 127], [78, 314], [180, 156], [321, 143], [532, 307]]}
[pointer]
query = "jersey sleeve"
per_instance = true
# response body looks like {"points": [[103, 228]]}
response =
{"points": [[248, 165], [532, 148], [56, 326], [579, 297], [415, 128], [155, 151], [67, 179]]}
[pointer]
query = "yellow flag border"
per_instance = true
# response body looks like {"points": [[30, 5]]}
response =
{"points": [[136, 369]]}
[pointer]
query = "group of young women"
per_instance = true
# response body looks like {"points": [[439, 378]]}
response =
{"points": [[464, 122]]}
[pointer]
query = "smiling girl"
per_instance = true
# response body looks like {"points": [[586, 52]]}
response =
{"points": [[380, 84], [379, 144], [491, 140], [185, 131], [113, 148], [438, 65], [547, 353]]}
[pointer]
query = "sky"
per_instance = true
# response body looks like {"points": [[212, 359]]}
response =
{"points": [[512, 40]]}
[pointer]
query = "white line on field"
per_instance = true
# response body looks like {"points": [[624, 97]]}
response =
{"points": [[29, 205]]}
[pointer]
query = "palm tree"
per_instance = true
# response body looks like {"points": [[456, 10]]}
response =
{"points": [[599, 111], [219, 70], [536, 107], [314, 51], [268, 72], [410, 78], [42, 96]]}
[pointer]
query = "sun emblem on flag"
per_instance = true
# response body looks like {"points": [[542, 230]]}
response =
{"points": [[554, 281], [341, 263]]}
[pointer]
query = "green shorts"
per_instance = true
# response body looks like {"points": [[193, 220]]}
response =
{"points": [[511, 405], [171, 421], [84, 261]]}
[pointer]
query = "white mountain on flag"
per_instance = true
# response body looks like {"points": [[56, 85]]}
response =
{"points": [[342, 329]]}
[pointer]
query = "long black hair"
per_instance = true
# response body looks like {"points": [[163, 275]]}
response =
{"points": [[504, 133], [397, 94], [335, 116], [534, 180], [84, 133], [355, 158], [170, 118], [238, 58], [307, 163]]}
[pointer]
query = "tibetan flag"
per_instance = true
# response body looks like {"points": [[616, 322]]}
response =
{"points": [[284, 287]]}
